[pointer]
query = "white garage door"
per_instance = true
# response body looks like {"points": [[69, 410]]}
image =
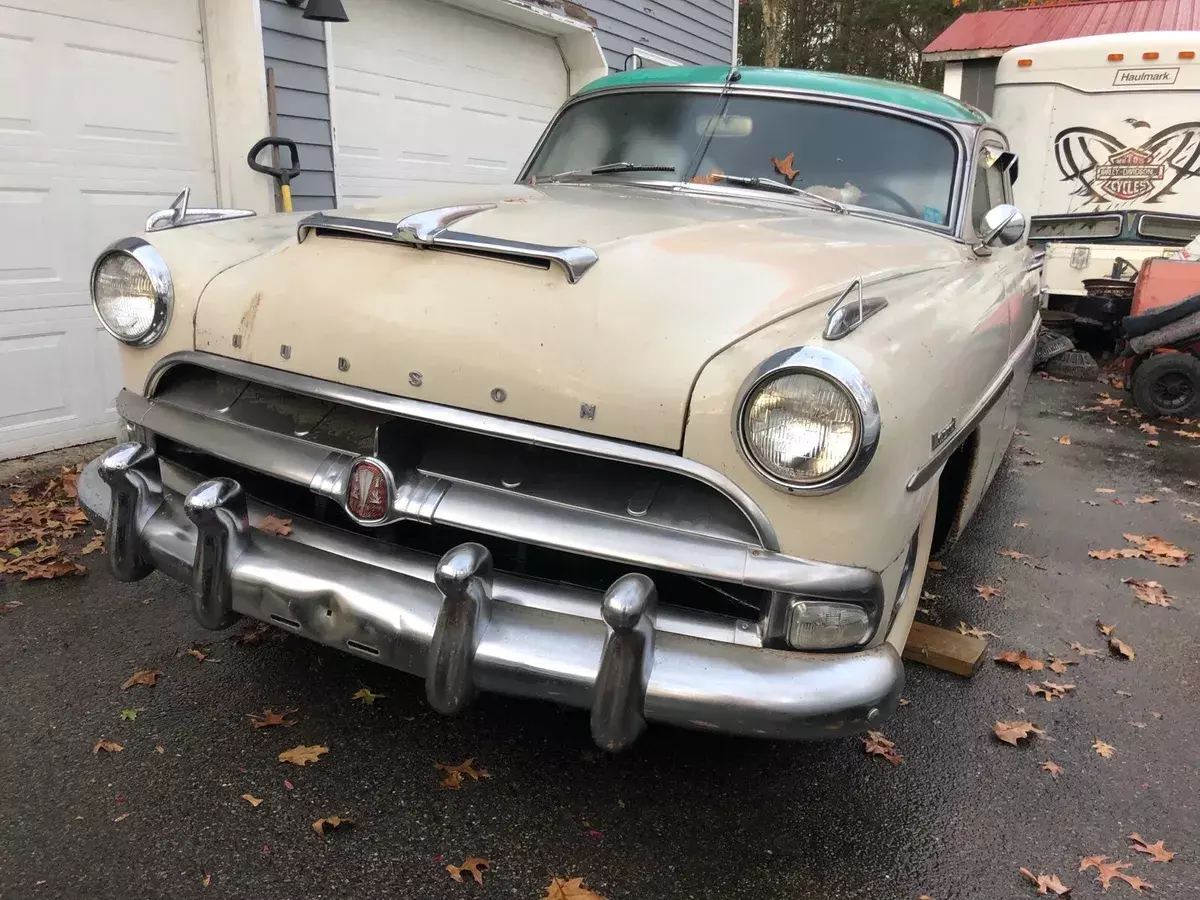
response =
{"points": [[426, 92], [103, 119]]}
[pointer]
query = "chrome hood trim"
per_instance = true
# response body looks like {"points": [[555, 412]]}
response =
{"points": [[430, 230], [179, 215]]}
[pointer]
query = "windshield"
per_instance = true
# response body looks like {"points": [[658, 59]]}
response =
{"points": [[846, 154]]}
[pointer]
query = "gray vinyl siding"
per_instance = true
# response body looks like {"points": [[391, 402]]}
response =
{"points": [[690, 31], [979, 83], [295, 48]]}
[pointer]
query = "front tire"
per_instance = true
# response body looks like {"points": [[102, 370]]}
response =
{"points": [[1167, 384]]}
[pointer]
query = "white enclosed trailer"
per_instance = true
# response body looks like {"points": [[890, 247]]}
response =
{"points": [[1107, 132]]}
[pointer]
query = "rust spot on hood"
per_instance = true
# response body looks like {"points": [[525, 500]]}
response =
{"points": [[247, 324]]}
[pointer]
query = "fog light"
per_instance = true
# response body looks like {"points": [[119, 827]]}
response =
{"points": [[823, 625]]}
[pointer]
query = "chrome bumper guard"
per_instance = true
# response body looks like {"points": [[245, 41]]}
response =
{"points": [[464, 628]]}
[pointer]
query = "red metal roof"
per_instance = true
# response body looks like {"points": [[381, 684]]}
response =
{"points": [[1008, 28]]}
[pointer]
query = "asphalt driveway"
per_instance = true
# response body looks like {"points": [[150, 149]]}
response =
{"points": [[681, 814]]}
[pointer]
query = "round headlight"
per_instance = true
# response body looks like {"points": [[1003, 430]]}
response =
{"points": [[808, 421], [131, 292]]}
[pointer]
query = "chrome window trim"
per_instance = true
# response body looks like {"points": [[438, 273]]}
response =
{"points": [[178, 215], [845, 375], [467, 420], [1157, 215], [963, 134], [160, 278], [991, 395]]}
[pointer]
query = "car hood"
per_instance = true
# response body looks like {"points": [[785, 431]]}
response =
{"points": [[679, 278]]}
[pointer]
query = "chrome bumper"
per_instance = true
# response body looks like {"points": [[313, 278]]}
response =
{"points": [[464, 628]]}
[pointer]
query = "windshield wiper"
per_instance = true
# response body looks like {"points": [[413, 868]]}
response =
{"points": [[770, 184], [609, 168]]}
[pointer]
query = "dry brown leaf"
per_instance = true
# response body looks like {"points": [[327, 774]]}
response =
{"points": [[935, 566], [972, 631], [1162, 552], [1145, 499], [904, 701], [1105, 630], [333, 823], [454, 774], [1134, 882], [1020, 524], [1059, 666], [1106, 490], [1108, 870], [1014, 554], [1047, 884], [254, 634], [1151, 443], [1052, 767], [1106, 400], [1104, 554], [206, 880], [1082, 650], [1021, 660], [302, 755], [713, 177], [784, 167], [1118, 646], [1105, 750], [269, 718], [1065, 440], [252, 800], [474, 865], [96, 543], [148, 677], [1191, 435], [107, 746], [1190, 518], [986, 591], [200, 655], [1157, 851], [365, 695], [1148, 428], [574, 889], [1149, 592], [1011, 732], [877, 745], [1050, 690], [272, 524]]}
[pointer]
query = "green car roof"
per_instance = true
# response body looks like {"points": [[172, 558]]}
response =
{"points": [[906, 96]]}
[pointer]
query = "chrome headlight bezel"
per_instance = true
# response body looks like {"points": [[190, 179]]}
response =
{"points": [[152, 262], [843, 375]]}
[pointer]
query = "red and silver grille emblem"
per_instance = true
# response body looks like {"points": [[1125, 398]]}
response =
{"points": [[370, 495]]}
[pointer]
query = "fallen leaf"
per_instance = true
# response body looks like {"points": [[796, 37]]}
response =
{"points": [[1108, 871], [1106, 400], [784, 167], [254, 634], [575, 889], [1021, 433], [1106, 490], [200, 655], [1156, 850], [1105, 630], [1059, 666], [1105, 750], [130, 715], [986, 591], [206, 880], [935, 566], [1050, 690], [1052, 767], [1120, 647], [1013, 554], [1021, 660], [269, 718], [878, 745], [252, 800], [107, 746], [122, 817], [1151, 443], [903, 702], [1011, 732], [1124, 694], [1191, 483], [473, 864], [148, 677], [1104, 554], [159, 748], [1191, 435], [272, 524], [10, 605], [1149, 592], [1082, 650], [1090, 502], [971, 631], [454, 774], [1145, 500], [1047, 884], [1163, 552], [1148, 428], [1191, 518], [96, 543], [1065, 440], [301, 755], [1134, 882], [713, 177], [1020, 524], [365, 695], [333, 823]]}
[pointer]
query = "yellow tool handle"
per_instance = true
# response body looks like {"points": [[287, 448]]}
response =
{"points": [[285, 191]]}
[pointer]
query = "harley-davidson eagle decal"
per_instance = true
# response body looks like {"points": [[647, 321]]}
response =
{"points": [[1108, 172]]}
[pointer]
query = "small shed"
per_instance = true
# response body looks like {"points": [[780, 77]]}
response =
{"points": [[973, 44]]}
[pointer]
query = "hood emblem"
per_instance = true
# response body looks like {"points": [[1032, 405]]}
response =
{"points": [[370, 492]]}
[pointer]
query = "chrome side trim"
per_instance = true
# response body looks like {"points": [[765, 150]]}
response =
{"points": [[466, 420], [836, 369], [844, 317], [991, 395], [180, 215], [430, 230], [160, 280]]}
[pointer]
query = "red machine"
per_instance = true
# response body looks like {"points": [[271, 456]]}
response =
{"points": [[1162, 339]]}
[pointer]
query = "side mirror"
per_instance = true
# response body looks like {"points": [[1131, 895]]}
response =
{"points": [[1002, 226]]}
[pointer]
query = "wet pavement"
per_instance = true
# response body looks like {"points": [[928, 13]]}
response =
{"points": [[681, 814]]}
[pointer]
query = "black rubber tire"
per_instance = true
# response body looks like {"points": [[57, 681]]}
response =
{"points": [[1074, 365], [1165, 375]]}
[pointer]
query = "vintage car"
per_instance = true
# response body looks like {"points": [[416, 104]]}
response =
{"points": [[667, 430]]}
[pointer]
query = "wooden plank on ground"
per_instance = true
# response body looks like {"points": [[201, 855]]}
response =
{"points": [[942, 649]]}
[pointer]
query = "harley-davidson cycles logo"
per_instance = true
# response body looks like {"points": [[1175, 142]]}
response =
{"points": [[1108, 171]]}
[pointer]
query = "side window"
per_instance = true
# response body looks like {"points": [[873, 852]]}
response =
{"points": [[990, 187]]}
